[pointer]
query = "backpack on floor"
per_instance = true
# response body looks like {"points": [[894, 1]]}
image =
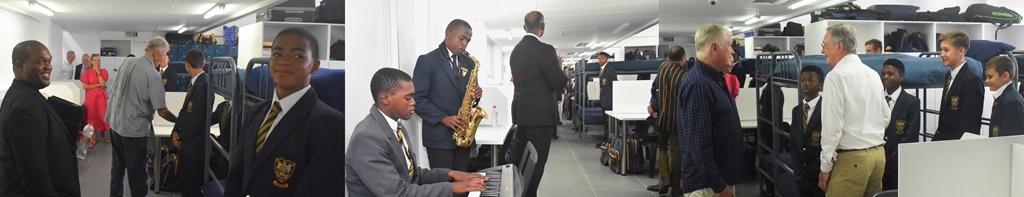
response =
{"points": [[633, 155], [168, 170]]}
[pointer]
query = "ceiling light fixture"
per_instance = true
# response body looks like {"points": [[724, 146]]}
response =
{"points": [[800, 4], [752, 20], [215, 10], [621, 27], [182, 29], [40, 8]]}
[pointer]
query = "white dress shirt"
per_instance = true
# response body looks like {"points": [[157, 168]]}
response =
{"points": [[953, 73], [855, 114], [286, 104], [813, 103], [67, 71], [394, 127], [999, 92], [193, 82], [895, 95]]}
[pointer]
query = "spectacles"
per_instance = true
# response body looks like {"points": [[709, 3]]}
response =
{"points": [[823, 45]]}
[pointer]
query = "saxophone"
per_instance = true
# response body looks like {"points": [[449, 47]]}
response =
{"points": [[470, 111]]}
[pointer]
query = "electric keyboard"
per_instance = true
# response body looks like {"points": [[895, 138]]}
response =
{"points": [[504, 181]]}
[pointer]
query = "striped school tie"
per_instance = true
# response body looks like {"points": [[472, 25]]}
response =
{"points": [[401, 140], [261, 136], [807, 107]]}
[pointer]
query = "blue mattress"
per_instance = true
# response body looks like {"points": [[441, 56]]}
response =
{"points": [[919, 71], [641, 65], [329, 85]]}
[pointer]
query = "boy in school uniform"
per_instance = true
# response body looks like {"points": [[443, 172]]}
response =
{"points": [[1008, 107], [805, 134], [962, 96], [189, 133], [905, 119], [293, 144]]}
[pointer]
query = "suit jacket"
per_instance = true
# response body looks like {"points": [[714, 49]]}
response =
{"points": [[376, 164], [307, 147], [766, 109], [78, 72], [806, 146], [961, 107], [535, 67], [192, 117], [904, 126], [170, 79], [439, 92], [37, 154], [606, 78], [1007, 114]]}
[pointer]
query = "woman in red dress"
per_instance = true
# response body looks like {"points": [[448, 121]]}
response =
{"points": [[94, 80]]}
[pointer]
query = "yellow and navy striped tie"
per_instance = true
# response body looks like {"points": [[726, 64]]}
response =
{"points": [[807, 107], [261, 136], [401, 140]]}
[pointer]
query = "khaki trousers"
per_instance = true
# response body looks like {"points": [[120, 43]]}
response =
{"points": [[857, 173]]}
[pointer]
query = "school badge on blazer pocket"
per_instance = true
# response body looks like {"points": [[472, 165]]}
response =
{"points": [[953, 101], [604, 82], [900, 127], [463, 71], [816, 138], [995, 131], [165, 82], [189, 107], [283, 170]]}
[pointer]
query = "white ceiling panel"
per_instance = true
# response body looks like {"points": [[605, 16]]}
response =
{"points": [[139, 15]]}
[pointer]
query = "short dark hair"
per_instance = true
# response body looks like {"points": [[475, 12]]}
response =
{"points": [[21, 51], [895, 63], [874, 42], [195, 57], [457, 23], [1000, 64], [295, 31], [604, 54], [958, 38], [386, 80], [676, 53], [535, 22], [816, 70]]}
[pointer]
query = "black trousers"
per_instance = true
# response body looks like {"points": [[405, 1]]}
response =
{"points": [[889, 179], [190, 174], [455, 159], [809, 187], [540, 136], [129, 156]]}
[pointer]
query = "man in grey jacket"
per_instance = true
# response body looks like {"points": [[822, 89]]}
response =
{"points": [[380, 162]]}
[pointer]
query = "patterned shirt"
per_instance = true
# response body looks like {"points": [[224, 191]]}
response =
{"points": [[663, 93], [714, 155]]}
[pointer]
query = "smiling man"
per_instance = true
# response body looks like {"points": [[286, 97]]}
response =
{"points": [[36, 154], [294, 144]]}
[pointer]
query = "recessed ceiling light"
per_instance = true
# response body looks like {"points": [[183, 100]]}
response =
{"points": [[752, 20], [182, 29]]}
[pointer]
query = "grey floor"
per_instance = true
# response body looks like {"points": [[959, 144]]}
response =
{"points": [[572, 170]]}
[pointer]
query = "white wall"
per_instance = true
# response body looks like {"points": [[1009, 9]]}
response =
{"points": [[21, 28], [977, 167]]}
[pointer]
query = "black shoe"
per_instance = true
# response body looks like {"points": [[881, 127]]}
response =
{"points": [[554, 137], [653, 188]]}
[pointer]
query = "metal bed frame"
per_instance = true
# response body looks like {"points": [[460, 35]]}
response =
{"points": [[226, 86], [580, 97]]}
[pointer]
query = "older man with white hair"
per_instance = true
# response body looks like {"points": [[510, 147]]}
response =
{"points": [[137, 92], [855, 114], [713, 153]]}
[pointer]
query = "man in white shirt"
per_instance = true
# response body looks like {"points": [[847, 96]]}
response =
{"points": [[854, 116], [67, 70]]}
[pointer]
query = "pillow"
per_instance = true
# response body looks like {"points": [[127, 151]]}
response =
{"points": [[983, 50]]}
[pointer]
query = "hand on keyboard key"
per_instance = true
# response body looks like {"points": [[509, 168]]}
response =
{"points": [[462, 187]]}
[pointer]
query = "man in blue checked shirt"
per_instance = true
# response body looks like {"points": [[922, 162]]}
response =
{"points": [[713, 153]]}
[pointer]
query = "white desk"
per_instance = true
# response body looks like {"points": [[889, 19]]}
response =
{"points": [[493, 137], [619, 120]]}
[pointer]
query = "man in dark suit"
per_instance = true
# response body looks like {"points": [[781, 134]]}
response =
{"points": [[190, 130], [535, 66], [81, 67], [962, 95], [607, 75], [805, 134], [37, 154], [169, 76], [381, 162], [1008, 109], [294, 144], [905, 122], [441, 76]]}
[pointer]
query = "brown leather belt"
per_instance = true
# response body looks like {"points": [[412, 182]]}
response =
{"points": [[851, 150]]}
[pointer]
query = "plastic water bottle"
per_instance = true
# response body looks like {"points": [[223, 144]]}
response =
{"points": [[83, 143], [494, 119]]}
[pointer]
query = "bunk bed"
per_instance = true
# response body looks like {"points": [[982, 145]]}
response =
{"points": [[586, 112], [223, 77], [781, 69]]}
